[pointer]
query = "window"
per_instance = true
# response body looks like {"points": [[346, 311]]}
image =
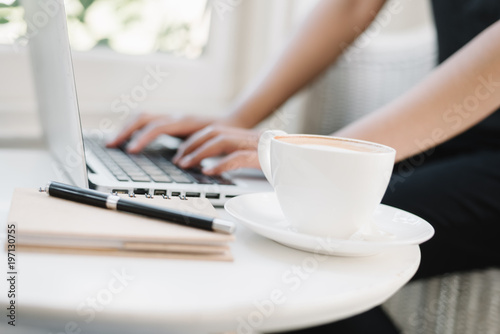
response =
{"points": [[134, 27], [211, 51]]}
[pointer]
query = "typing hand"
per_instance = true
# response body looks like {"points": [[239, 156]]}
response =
{"points": [[146, 127], [239, 145]]}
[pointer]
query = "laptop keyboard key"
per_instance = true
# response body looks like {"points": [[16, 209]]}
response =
{"points": [[200, 177], [122, 177], [222, 181], [161, 178], [180, 178], [140, 178]]}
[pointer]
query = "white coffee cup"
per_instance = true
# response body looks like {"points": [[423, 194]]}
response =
{"points": [[326, 186]]}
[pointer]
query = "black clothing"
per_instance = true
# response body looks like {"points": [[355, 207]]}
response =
{"points": [[457, 23]]}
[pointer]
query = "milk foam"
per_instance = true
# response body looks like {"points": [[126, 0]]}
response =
{"points": [[329, 148]]}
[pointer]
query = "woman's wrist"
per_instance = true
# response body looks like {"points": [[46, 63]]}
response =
{"points": [[234, 118]]}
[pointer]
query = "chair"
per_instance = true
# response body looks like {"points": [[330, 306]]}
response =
{"points": [[455, 304]]}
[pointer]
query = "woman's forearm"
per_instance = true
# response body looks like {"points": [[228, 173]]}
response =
{"points": [[331, 26], [459, 94]]}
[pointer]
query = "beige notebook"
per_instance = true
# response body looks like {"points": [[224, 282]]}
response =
{"points": [[51, 224]]}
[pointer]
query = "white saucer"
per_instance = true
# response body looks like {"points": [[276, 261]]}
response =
{"points": [[262, 214]]}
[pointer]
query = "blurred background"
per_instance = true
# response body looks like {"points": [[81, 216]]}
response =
{"points": [[211, 50]]}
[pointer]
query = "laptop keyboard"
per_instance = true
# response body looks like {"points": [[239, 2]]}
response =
{"points": [[148, 167]]}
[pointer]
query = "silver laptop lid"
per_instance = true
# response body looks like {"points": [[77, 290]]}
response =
{"points": [[52, 68]]}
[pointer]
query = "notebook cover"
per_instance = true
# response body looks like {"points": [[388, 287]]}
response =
{"points": [[52, 223], [224, 256]]}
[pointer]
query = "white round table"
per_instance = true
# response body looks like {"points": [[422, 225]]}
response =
{"points": [[268, 287]]}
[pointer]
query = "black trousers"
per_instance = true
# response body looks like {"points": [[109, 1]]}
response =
{"points": [[458, 192]]}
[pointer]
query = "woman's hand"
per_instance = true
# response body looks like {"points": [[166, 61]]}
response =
{"points": [[240, 146], [148, 126]]}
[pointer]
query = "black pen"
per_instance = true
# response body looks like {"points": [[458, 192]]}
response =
{"points": [[113, 202]]}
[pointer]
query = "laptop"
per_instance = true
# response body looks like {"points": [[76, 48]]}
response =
{"points": [[84, 161]]}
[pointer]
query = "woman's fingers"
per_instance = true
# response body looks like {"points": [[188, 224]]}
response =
{"points": [[146, 127], [235, 160], [137, 123], [212, 143], [146, 135], [194, 142], [218, 145], [173, 126], [246, 139], [207, 141]]}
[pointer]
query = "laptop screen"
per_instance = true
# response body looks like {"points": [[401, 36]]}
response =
{"points": [[52, 67]]}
